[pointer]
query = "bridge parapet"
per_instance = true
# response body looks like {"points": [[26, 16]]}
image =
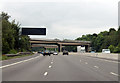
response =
{"points": [[71, 41]]}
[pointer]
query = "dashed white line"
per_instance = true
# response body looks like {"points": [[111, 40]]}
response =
{"points": [[114, 74], [96, 66], [19, 62], [45, 73], [80, 60], [86, 63], [51, 62], [50, 66]]}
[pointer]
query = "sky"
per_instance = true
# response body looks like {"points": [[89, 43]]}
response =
{"points": [[64, 19]]}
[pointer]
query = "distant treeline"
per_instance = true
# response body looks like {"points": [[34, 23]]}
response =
{"points": [[12, 41], [104, 40]]}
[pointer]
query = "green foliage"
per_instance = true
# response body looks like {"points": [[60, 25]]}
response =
{"points": [[111, 47], [12, 51], [4, 57], [24, 43], [117, 49], [106, 39], [11, 42]]}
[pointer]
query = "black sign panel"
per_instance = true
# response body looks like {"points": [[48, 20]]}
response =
{"points": [[33, 31]]}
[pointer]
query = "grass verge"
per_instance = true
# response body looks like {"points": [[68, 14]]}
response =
{"points": [[4, 57]]}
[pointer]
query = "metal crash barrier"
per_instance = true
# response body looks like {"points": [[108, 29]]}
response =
{"points": [[18, 54]]}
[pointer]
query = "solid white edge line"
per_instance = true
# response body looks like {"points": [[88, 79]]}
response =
{"points": [[45, 73], [18, 62]]}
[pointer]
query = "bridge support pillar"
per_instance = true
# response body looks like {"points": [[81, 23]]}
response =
{"points": [[78, 48], [87, 48], [59, 47]]}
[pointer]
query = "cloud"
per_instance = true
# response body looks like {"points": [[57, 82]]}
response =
{"points": [[65, 19]]}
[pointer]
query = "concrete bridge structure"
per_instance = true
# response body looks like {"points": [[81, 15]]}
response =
{"points": [[59, 44], [44, 46]]}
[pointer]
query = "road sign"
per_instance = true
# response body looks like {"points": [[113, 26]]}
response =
{"points": [[33, 31]]}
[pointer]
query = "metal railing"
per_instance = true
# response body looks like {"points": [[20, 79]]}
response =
{"points": [[18, 54]]}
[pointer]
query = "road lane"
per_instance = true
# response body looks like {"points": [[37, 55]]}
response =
{"points": [[28, 71], [62, 68], [105, 66], [10, 61], [68, 68]]}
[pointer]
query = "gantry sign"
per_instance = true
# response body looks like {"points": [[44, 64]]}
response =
{"points": [[33, 31]]}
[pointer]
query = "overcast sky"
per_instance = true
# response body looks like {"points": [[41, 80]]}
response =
{"points": [[64, 19]]}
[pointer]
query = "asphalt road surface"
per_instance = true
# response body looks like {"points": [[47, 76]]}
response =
{"points": [[73, 67]]}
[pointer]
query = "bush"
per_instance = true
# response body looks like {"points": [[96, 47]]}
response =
{"points": [[111, 47], [13, 51], [3, 57], [117, 49], [23, 50]]}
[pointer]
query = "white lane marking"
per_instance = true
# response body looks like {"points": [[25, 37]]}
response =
{"points": [[52, 59], [19, 62], [45, 73], [86, 63], [51, 62], [96, 66], [50, 66], [114, 74], [80, 60]]}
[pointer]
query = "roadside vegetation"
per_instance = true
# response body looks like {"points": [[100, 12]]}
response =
{"points": [[4, 57], [104, 40], [12, 41]]}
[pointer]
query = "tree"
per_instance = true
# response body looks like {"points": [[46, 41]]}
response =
{"points": [[24, 43], [11, 38], [111, 47], [5, 16], [7, 34], [118, 35], [117, 49], [104, 40], [112, 30], [16, 28]]}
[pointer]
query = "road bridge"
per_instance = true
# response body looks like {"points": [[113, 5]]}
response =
{"points": [[60, 43], [44, 46]]}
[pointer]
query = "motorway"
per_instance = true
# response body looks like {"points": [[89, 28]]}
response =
{"points": [[72, 67]]}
